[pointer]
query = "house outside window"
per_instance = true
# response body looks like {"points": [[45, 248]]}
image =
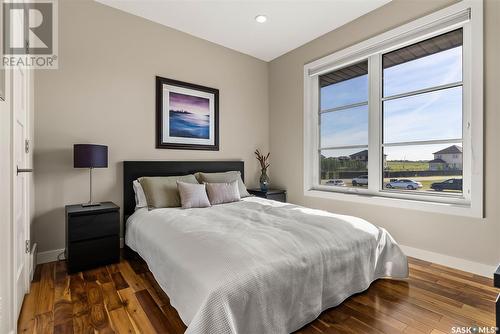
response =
{"points": [[395, 116]]}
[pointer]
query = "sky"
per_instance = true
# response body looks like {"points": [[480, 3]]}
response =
{"points": [[193, 104], [430, 116]]}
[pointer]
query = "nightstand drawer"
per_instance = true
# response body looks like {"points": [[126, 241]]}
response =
{"points": [[88, 254], [277, 197], [272, 194], [92, 226]]}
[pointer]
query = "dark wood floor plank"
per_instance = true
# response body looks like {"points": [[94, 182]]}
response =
{"points": [[154, 289], [37, 275], [45, 299], [131, 277], [139, 318], [26, 321], [138, 265], [44, 323], [63, 312], [121, 321], [100, 275], [155, 315], [174, 319], [78, 295], [81, 323], [125, 298], [98, 315], [111, 298], [119, 281]]}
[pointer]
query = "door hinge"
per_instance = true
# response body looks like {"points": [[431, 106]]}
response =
{"points": [[27, 248], [27, 146]]}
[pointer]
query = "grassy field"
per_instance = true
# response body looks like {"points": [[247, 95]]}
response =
{"points": [[407, 165]]}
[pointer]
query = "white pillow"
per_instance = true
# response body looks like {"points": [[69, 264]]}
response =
{"points": [[193, 195], [219, 193], [140, 197]]}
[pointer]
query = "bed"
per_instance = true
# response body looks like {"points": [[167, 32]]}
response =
{"points": [[254, 266]]}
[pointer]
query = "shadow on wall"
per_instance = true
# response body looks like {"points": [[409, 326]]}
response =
{"points": [[46, 222], [50, 170]]}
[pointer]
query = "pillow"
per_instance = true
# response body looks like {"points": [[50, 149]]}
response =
{"points": [[192, 195], [140, 197], [161, 191], [219, 193], [226, 177]]}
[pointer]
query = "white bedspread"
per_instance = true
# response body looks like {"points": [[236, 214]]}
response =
{"points": [[260, 266]]}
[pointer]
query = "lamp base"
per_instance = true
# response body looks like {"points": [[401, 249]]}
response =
{"points": [[85, 205]]}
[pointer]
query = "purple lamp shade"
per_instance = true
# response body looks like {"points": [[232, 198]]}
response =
{"points": [[90, 156]]}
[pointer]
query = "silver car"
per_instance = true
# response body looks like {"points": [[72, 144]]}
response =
{"points": [[404, 184], [335, 182], [360, 181]]}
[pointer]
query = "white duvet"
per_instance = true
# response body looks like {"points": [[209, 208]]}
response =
{"points": [[260, 266]]}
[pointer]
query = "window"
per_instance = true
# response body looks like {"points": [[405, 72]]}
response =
{"points": [[422, 113], [392, 117], [343, 117]]}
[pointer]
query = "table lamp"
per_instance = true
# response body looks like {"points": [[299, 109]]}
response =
{"points": [[90, 156]]}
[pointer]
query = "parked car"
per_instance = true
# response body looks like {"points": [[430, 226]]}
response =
{"points": [[404, 184], [360, 181], [450, 184], [336, 182]]}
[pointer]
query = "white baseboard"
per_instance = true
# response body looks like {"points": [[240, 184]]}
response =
{"points": [[450, 261], [49, 256], [442, 259]]}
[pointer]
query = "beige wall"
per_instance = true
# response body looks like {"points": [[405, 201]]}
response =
{"points": [[104, 92], [472, 239]]}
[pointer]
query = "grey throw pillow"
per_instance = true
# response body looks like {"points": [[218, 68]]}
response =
{"points": [[224, 177], [219, 193], [193, 195], [161, 191]]}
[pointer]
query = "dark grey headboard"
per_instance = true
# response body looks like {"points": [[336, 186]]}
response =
{"points": [[133, 170]]}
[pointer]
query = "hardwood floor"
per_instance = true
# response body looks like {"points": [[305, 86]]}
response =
{"points": [[125, 298]]}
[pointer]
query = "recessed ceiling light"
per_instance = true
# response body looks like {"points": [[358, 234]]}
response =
{"points": [[261, 18]]}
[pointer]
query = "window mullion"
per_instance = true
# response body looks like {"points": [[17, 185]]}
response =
{"points": [[374, 123]]}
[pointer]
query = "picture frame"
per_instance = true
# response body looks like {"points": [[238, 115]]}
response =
{"points": [[187, 116]]}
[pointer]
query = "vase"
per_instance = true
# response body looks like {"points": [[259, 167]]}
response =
{"points": [[264, 180]]}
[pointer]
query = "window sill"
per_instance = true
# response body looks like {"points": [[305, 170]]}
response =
{"points": [[458, 209]]}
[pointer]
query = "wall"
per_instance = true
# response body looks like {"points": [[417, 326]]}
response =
{"points": [[104, 92], [473, 240]]}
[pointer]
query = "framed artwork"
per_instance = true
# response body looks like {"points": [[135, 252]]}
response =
{"points": [[187, 116]]}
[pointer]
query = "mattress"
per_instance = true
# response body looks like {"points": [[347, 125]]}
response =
{"points": [[260, 266]]}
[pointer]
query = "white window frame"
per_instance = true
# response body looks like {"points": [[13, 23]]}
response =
{"points": [[467, 15]]}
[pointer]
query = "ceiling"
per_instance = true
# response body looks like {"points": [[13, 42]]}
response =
{"points": [[231, 23]]}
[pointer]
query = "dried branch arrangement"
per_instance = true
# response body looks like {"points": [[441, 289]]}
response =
{"points": [[264, 160]]}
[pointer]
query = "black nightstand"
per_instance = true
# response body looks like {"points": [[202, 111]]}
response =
{"points": [[274, 194], [92, 236]]}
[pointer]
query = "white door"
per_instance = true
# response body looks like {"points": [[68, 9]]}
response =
{"points": [[20, 188], [6, 313]]}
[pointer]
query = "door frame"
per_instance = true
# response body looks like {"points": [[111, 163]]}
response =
{"points": [[7, 323], [25, 101]]}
